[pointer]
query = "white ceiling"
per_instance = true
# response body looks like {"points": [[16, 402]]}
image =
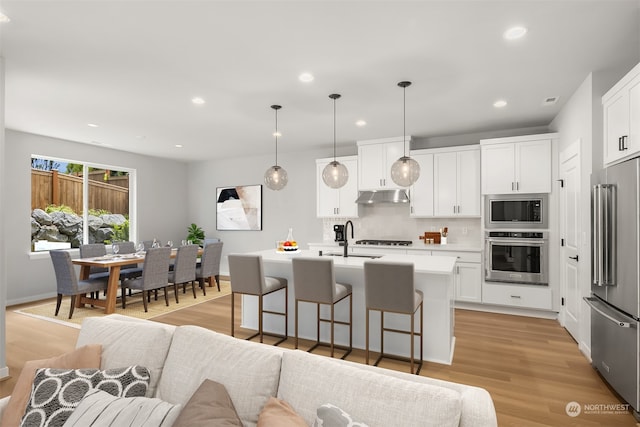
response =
{"points": [[132, 67]]}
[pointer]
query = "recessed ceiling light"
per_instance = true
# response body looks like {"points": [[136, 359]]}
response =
{"points": [[550, 100], [500, 103], [514, 33], [361, 123], [306, 77], [178, 145], [278, 134], [197, 100], [92, 125], [4, 18]]}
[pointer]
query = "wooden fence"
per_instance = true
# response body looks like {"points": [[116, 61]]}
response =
{"points": [[53, 188]]}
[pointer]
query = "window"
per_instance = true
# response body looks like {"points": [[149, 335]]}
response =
{"points": [[78, 202]]}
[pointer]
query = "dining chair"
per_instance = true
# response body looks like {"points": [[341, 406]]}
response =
{"points": [[184, 268], [155, 275], [129, 271], [314, 282], [94, 250], [389, 287], [247, 277], [209, 267], [67, 282]]}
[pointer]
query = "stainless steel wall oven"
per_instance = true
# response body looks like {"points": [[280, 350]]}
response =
{"points": [[516, 257]]}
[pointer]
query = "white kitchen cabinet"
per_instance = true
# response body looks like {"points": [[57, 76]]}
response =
{"points": [[337, 202], [456, 182], [421, 192], [375, 158], [523, 296], [468, 275], [621, 107], [516, 165]]}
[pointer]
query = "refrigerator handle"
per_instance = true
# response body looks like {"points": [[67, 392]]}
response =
{"points": [[608, 242], [593, 303], [596, 233]]}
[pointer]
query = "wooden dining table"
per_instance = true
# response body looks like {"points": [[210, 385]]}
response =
{"points": [[114, 264]]}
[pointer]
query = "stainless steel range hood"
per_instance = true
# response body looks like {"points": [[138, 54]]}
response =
{"points": [[383, 196]]}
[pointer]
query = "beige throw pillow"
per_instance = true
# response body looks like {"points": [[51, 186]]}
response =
{"points": [[81, 358], [278, 413], [209, 406]]}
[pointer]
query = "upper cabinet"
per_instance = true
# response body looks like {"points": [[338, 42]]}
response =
{"points": [[449, 183], [516, 165], [621, 107], [456, 182], [375, 158], [340, 202], [421, 192]]}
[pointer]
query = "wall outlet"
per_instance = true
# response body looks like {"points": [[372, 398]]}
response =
{"points": [[464, 231]]}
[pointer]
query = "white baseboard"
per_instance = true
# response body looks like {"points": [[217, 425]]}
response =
{"points": [[4, 372], [514, 311]]}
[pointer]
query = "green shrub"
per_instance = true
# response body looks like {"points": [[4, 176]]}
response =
{"points": [[120, 233], [59, 208]]}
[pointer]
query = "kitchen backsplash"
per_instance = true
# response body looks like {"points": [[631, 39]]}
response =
{"points": [[393, 222]]}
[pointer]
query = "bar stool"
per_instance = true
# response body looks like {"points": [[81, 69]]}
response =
{"points": [[314, 281], [389, 287], [247, 277]]}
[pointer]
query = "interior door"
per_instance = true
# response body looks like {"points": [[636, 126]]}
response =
{"points": [[570, 233]]}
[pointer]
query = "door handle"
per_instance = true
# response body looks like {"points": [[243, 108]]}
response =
{"points": [[574, 257]]}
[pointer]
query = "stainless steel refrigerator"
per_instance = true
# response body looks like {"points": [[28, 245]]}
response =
{"points": [[614, 301]]}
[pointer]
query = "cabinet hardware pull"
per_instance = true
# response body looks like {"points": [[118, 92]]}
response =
{"points": [[620, 144], [512, 186], [516, 296], [517, 185], [574, 257], [624, 140]]}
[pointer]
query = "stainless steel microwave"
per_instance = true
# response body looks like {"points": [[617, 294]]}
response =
{"points": [[520, 211]]}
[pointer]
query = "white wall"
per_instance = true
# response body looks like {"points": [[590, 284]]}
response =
{"points": [[4, 371], [162, 209]]}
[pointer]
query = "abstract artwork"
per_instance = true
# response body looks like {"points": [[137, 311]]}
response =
{"points": [[239, 208]]}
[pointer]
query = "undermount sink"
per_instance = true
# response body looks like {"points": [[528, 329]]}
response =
{"points": [[353, 255]]}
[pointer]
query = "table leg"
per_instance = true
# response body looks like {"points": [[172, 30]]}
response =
{"points": [[84, 275], [112, 289]]}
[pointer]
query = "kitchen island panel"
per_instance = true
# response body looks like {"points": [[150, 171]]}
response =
{"points": [[433, 276]]}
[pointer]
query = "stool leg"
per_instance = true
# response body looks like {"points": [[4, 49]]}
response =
{"points": [[318, 322], [296, 316], [381, 332], [413, 321], [421, 332], [332, 327], [366, 353], [351, 321], [260, 316], [286, 311], [232, 311]]}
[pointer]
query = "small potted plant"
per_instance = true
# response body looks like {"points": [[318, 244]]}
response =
{"points": [[195, 234]]}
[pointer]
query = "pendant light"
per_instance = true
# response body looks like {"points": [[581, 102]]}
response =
{"points": [[335, 174], [275, 177], [405, 171]]}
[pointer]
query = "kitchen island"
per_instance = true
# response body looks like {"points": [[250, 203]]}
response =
{"points": [[433, 276]]}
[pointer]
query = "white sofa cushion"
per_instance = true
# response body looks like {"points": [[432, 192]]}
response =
{"points": [[127, 343], [308, 381], [249, 371]]}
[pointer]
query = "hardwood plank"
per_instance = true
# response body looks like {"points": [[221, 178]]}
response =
{"points": [[531, 367]]}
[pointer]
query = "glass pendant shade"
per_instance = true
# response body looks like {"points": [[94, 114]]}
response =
{"points": [[335, 174], [275, 178], [405, 171]]}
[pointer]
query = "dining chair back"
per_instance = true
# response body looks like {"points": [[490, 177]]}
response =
{"points": [[155, 275], [93, 250], [67, 282], [184, 268], [314, 282], [390, 287], [129, 271], [209, 268]]}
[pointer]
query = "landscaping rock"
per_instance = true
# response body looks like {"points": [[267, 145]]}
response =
{"points": [[41, 217], [94, 223], [51, 234], [69, 224], [113, 219]]}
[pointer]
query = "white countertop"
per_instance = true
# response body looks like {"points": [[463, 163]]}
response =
{"points": [[463, 247], [423, 264]]}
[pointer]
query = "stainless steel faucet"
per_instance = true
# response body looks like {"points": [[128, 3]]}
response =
{"points": [[346, 237]]}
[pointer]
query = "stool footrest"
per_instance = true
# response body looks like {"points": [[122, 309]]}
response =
{"points": [[326, 344], [401, 331], [257, 334], [418, 362]]}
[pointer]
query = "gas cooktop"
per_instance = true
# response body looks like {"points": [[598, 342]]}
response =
{"points": [[384, 242]]}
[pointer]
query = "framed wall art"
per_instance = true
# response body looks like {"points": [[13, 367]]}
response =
{"points": [[239, 208]]}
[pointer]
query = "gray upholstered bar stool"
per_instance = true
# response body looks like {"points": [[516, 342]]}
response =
{"points": [[314, 281], [389, 287], [247, 277]]}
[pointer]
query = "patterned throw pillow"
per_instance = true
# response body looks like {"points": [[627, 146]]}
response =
{"points": [[57, 392], [329, 415]]}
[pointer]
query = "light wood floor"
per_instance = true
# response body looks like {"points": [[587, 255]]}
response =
{"points": [[531, 367]]}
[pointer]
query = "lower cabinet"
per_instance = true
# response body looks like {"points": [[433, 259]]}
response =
{"points": [[468, 275], [523, 296]]}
